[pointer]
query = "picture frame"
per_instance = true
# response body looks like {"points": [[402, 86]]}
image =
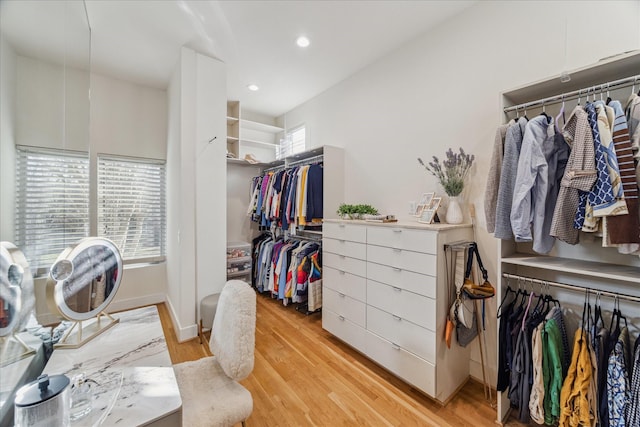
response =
{"points": [[429, 212], [419, 209], [426, 198]]}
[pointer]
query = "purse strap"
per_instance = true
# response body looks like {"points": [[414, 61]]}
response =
{"points": [[473, 251]]}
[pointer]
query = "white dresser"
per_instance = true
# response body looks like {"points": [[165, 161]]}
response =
{"points": [[385, 294]]}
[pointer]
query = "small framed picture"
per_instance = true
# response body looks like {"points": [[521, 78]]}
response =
{"points": [[429, 212], [426, 198], [427, 216], [435, 203], [419, 209]]}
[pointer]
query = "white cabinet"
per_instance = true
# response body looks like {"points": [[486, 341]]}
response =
{"points": [[385, 294]]}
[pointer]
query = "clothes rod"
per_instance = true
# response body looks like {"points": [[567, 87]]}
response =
{"points": [[306, 161], [572, 287], [575, 94]]}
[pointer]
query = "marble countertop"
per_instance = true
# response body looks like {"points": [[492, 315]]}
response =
{"points": [[400, 224], [131, 367]]}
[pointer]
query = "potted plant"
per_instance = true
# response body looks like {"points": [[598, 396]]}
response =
{"points": [[346, 211], [451, 173]]}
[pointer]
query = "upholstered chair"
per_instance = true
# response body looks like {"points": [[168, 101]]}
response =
{"points": [[211, 394]]}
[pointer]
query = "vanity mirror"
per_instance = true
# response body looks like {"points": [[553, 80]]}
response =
{"points": [[16, 302], [82, 282]]}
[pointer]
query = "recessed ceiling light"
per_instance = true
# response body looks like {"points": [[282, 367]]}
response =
{"points": [[302, 41], [253, 87]]}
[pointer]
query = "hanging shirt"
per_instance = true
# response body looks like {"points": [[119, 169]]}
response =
{"points": [[624, 230], [633, 407], [579, 175], [618, 391], [536, 400], [552, 350], [576, 409], [493, 180], [541, 154], [512, 144]]}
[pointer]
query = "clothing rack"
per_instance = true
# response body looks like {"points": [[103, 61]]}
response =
{"points": [[310, 238], [275, 168], [628, 81], [571, 287], [308, 161]]}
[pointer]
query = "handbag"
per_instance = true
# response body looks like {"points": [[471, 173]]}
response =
{"points": [[473, 291], [466, 334]]}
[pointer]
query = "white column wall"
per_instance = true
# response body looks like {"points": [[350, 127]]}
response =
{"points": [[442, 90]]}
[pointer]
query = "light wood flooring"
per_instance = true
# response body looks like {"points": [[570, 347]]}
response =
{"points": [[303, 376]]}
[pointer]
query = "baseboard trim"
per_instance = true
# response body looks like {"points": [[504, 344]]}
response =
{"points": [[131, 303], [182, 333]]}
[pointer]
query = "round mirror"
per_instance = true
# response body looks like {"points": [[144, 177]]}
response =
{"points": [[16, 290], [84, 279]]}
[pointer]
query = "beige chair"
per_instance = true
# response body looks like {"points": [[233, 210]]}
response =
{"points": [[211, 394]]}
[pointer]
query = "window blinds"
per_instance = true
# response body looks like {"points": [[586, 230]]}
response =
{"points": [[52, 202], [293, 142], [132, 206]]}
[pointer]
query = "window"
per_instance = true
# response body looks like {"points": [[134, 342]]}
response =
{"points": [[52, 202], [132, 206], [294, 142]]}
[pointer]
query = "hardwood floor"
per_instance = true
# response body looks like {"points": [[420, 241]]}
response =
{"points": [[303, 376]]}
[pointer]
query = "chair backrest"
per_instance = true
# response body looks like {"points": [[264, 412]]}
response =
{"points": [[233, 337]]}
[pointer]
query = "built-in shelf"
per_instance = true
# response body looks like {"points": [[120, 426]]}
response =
{"points": [[239, 273], [242, 162], [238, 260], [261, 127], [253, 141], [623, 273], [232, 120]]}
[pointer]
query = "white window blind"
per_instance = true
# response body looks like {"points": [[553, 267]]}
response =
{"points": [[132, 206], [294, 142], [52, 202]]}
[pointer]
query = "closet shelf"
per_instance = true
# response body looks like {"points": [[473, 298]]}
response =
{"points": [[232, 120], [622, 273], [253, 141], [242, 162], [262, 127], [239, 273], [238, 260]]}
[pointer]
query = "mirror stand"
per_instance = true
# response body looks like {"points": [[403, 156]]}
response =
{"points": [[79, 334], [12, 349]]}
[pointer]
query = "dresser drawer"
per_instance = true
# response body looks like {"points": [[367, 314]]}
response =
{"points": [[346, 283], [413, 338], [343, 305], [404, 304], [344, 329], [345, 263], [404, 238], [343, 231], [345, 247], [403, 259], [404, 364], [408, 280]]}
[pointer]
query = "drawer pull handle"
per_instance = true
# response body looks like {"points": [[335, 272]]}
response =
{"points": [[341, 317], [341, 256], [397, 250], [341, 241], [398, 318], [395, 288], [397, 230], [397, 269], [395, 346], [341, 271], [341, 294], [341, 225]]}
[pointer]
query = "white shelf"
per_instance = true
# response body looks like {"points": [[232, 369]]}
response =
{"points": [[262, 127], [253, 141], [242, 162], [232, 120], [239, 273], [237, 260], [622, 273]]}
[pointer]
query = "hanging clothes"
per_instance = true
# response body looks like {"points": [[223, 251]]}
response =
{"points": [[632, 110], [577, 407], [493, 180], [625, 229], [633, 407], [541, 164], [512, 145], [579, 176], [618, 389]]}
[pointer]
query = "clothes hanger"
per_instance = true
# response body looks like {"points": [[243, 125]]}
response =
{"points": [[608, 94], [561, 114], [504, 298], [620, 316]]}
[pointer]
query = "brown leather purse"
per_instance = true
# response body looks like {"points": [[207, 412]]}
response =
{"points": [[472, 290]]}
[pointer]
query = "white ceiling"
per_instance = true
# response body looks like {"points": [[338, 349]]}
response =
{"points": [[140, 40]]}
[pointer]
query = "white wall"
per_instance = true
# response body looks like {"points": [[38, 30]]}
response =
{"points": [[238, 187], [7, 139], [196, 193], [443, 90]]}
